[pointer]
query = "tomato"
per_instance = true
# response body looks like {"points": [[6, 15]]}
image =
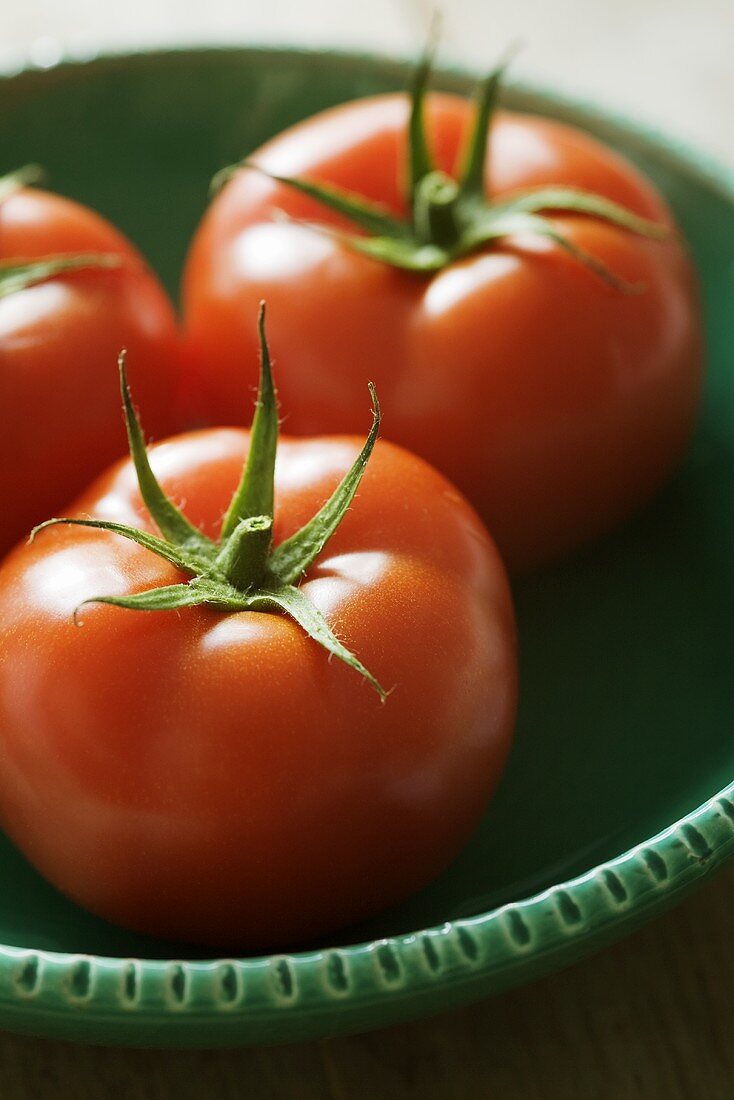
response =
{"points": [[59, 409], [217, 777], [557, 403]]}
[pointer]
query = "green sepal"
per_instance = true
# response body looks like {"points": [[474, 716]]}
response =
{"points": [[297, 605], [170, 598], [16, 276], [408, 255], [20, 178], [511, 224], [221, 178], [157, 546], [291, 558], [420, 258], [370, 216], [577, 201], [473, 171], [420, 162], [254, 494], [170, 520]]}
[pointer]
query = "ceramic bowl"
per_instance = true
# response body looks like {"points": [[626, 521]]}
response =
{"points": [[618, 798]]}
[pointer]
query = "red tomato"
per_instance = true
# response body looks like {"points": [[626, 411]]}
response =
{"points": [[59, 406], [216, 777], [557, 403]]}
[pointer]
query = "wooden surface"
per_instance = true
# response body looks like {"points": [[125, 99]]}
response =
{"points": [[651, 1017]]}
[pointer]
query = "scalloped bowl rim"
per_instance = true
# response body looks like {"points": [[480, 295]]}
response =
{"points": [[563, 922]]}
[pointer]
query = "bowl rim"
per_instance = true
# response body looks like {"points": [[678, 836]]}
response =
{"points": [[394, 976]]}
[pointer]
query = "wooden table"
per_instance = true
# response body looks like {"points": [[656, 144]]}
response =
{"points": [[651, 1018]]}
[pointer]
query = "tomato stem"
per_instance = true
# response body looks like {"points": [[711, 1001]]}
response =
{"points": [[243, 557], [435, 212]]}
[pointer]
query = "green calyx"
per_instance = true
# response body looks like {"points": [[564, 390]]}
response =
{"points": [[242, 570], [19, 275], [450, 218], [21, 177], [16, 275]]}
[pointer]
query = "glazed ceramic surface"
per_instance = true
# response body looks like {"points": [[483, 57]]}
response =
{"points": [[617, 798]]}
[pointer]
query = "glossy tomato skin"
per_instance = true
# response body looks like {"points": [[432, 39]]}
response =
{"points": [[557, 404], [216, 778], [60, 421]]}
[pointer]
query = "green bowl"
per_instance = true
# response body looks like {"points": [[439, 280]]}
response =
{"points": [[618, 798]]}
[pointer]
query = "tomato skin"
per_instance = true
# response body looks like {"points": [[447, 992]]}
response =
{"points": [[557, 404], [60, 421], [217, 778]]}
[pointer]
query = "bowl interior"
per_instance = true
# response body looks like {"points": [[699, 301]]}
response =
{"points": [[627, 653]]}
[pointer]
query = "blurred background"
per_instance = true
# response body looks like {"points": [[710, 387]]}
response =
{"points": [[667, 61]]}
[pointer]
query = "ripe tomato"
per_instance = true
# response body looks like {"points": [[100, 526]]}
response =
{"points": [[557, 403], [59, 408], [215, 777]]}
